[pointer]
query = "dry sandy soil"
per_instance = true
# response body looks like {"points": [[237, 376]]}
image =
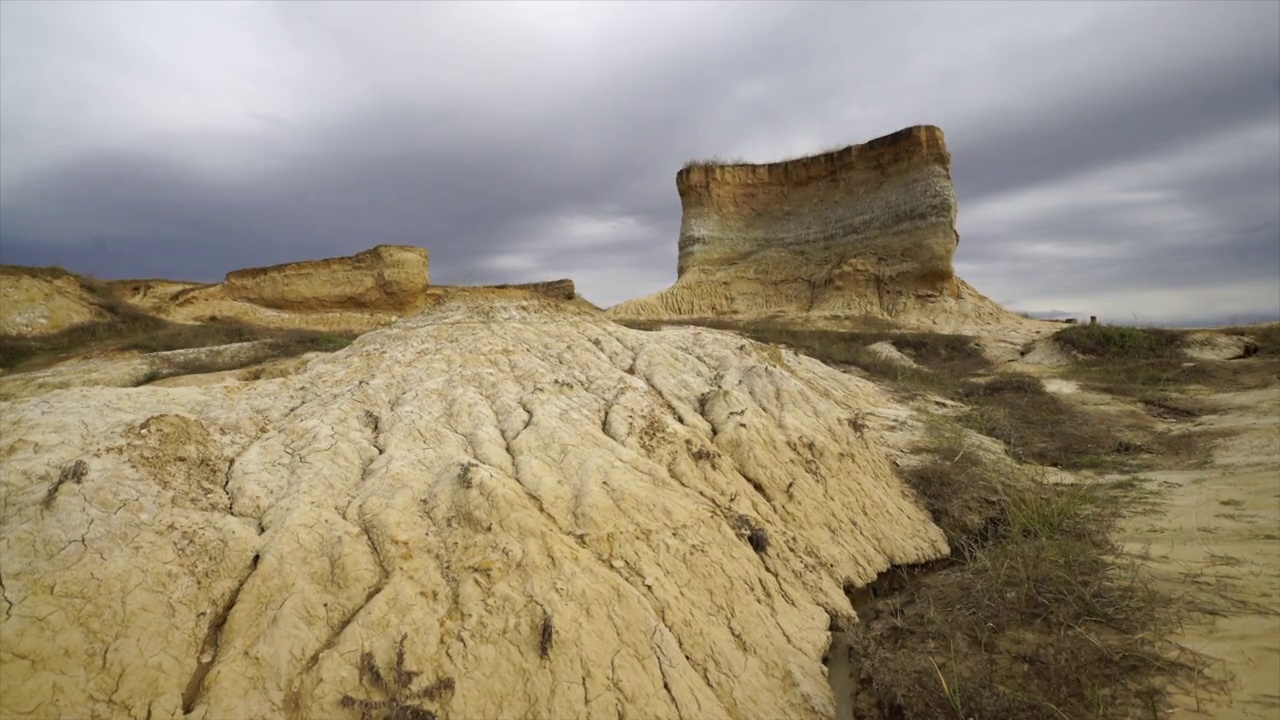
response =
{"points": [[1210, 534], [1213, 533]]}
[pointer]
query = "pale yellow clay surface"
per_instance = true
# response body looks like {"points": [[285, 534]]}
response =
{"points": [[34, 304], [553, 511], [868, 230], [120, 369]]}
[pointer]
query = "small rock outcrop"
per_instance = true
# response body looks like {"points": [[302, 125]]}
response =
{"points": [[503, 507], [387, 277], [1210, 345], [866, 230]]}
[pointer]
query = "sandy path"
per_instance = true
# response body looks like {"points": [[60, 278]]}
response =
{"points": [[1214, 533]]}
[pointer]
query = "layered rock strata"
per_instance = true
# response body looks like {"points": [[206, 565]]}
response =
{"points": [[866, 230], [515, 508]]}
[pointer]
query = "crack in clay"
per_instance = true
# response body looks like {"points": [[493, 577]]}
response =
{"points": [[294, 699], [755, 484], [4, 595], [662, 661], [373, 423], [342, 627], [212, 644]]}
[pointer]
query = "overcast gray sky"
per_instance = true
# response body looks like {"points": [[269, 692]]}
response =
{"points": [[1114, 158]]}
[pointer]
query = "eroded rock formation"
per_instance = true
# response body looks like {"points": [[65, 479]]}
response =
{"points": [[41, 301], [387, 277], [867, 230], [356, 293], [540, 513]]}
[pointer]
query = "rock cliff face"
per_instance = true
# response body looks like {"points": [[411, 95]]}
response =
{"points": [[867, 230], [515, 508]]}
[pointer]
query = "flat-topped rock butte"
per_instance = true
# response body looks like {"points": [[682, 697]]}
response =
{"points": [[868, 230]]}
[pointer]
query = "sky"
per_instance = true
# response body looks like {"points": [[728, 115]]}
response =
{"points": [[1119, 159]]}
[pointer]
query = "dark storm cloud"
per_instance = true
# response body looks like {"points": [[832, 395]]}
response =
{"points": [[522, 142]]}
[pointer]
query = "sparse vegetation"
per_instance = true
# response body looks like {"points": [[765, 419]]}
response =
{"points": [[749, 530], [944, 358], [1035, 425], [1039, 427], [1147, 363], [546, 636], [399, 701], [177, 336], [74, 473], [136, 331], [713, 161], [1039, 614], [50, 272]]}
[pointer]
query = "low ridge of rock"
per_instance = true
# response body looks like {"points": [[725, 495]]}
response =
{"points": [[528, 510], [355, 293], [387, 277]]}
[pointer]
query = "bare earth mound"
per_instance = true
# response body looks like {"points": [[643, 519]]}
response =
{"points": [[42, 302], [503, 507], [868, 231]]}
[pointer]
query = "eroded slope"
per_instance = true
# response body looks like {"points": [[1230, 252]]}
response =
{"points": [[562, 517]]}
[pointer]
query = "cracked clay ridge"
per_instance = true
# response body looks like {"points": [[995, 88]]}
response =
{"points": [[465, 480]]}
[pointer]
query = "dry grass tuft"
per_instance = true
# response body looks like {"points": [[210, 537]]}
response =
{"points": [[1039, 427], [1039, 613], [713, 161]]}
